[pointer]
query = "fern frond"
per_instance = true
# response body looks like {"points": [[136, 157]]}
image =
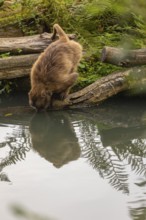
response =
{"points": [[104, 160]]}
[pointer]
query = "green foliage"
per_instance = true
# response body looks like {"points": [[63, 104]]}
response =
{"points": [[6, 87], [4, 55], [1, 2], [110, 19], [96, 23], [55, 11], [90, 70]]}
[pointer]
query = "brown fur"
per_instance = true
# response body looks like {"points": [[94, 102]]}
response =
{"points": [[54, 72]]}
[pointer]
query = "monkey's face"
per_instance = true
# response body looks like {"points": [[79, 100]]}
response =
{"points": [[39, 100]]}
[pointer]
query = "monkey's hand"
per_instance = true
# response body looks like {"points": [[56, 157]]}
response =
{"points": [[64, 94]]}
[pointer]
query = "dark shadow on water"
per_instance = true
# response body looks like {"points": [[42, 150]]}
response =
{"points": [[15, 99]]}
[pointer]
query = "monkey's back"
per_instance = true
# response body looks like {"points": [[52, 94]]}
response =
{"points": [[58, 59]]}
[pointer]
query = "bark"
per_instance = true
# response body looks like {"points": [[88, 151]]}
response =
{"points": [[10, 31], [98, 91], [14, 73], [94, 94], [16, 66], [27, 44], [123, 57]]}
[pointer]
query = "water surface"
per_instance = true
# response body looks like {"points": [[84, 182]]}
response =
{"points": [[84, 164]]}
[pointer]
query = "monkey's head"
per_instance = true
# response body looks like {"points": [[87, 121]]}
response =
{"points": [[39, 99]]}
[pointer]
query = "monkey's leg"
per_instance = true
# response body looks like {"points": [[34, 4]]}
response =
{"points": [[67, 85], [64, 94]]}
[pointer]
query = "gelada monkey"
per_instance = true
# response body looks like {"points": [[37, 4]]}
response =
{"points": [[54, 72]]}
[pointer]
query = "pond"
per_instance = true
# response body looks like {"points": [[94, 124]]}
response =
{"points": [[75, 164]]}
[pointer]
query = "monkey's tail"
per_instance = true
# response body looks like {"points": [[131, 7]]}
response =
{"points": [[60, 32]]}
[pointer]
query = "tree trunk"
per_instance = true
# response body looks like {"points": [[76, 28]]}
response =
{"points": [[27, 44], [123, 57]]}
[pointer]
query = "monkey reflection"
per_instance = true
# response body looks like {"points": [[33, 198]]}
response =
{"points": [[53, 137]]}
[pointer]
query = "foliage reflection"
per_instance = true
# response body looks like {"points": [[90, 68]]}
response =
{"points": [[113, 146]]}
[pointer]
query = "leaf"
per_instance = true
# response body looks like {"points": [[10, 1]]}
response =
{"points": [[8, 114]]}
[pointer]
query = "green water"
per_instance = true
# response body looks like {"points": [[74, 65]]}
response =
{"points": [[86, 164]]}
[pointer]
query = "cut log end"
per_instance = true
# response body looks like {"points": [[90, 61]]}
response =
{"points": [[123, 57], [104, 55]]}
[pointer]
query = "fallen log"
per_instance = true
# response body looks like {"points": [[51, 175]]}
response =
{"points": [[19, 66], [133, 79], [27, 44], [94, 94], [11, 30], [16, 66], [123, 57]]}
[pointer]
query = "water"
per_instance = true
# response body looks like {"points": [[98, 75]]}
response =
{"points": [[66, 165]]}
